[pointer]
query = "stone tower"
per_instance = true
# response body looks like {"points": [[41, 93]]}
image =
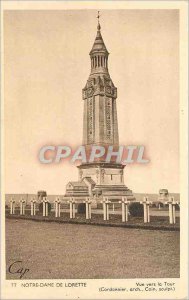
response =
{"points": [[100, 127], [99, 95]]}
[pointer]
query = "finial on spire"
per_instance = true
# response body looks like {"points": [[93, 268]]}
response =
{"points": [[98, 17]]}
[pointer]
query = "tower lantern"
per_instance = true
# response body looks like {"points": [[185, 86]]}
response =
{"points": [[99, 54]]}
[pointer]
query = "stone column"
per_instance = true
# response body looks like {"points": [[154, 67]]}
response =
{"points": [[57, 207], [124, 204], [146, 205], [12, 206]]}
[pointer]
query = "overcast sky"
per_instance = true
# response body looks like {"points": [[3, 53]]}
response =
{"points": [[47, 64]]}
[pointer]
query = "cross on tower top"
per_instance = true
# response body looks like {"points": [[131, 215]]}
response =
{"points": [[98, 17]]}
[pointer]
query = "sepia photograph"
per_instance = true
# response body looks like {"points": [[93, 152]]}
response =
{"points": [[92, 150]]}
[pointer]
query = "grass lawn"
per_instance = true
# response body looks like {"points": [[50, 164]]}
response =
{"points": [[57, 251]]}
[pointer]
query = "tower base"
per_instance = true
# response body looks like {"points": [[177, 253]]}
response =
{"points": [[100, 179]]}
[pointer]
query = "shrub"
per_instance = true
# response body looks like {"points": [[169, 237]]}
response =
{"points": [[176, 206], [136, 209], [99, 206], [41, 207], [81, 208]]}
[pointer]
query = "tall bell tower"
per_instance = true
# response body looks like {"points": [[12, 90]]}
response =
{"points": [[99, 95], [100, 127]]}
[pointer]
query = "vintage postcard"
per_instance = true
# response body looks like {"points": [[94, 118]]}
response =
{"points": [[94, 155]]}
